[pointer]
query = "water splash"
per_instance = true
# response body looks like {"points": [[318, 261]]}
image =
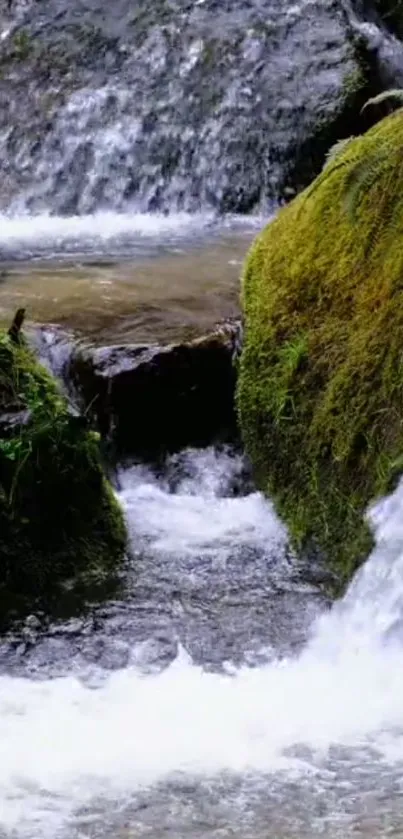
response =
{"points": [[64, 745], [44, 236], [190, 510]]}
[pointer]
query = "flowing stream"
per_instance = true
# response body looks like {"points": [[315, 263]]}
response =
{"points": [[214, 692], [219, 696], [121, 278]]}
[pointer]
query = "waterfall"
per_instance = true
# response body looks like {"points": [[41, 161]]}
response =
{"points": [[181, 106]]}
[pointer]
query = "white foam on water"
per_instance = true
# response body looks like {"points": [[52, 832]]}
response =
{"points": [[198, 516], [63, 744], [99, 228], [47, 236]]}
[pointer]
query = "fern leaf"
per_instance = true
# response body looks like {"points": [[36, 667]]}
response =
{"points": [[360, 180], [395, 94], [336, 149], [324, 175]]}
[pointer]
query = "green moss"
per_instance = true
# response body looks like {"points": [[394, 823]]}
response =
{"points": [[58, 516], [320, 392], [22, 45]]}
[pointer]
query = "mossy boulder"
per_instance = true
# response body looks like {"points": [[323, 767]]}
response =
{"points": [[58, 515], [320, 392]]}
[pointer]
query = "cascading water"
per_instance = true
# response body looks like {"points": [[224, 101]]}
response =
{"points": [[173, 714], [107, 114], [169, 106], [216, 695]]}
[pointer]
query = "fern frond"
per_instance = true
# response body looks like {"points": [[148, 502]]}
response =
{"points": [[336, 149], [386, 221], [324, 175], [395, 94], [360, 180], [327, 170]]}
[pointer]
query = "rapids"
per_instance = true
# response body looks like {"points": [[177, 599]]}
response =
{"points": [[220, 696]]}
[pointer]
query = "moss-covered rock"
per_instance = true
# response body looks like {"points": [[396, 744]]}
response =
{"points": [[58, 515], [320, 392]]}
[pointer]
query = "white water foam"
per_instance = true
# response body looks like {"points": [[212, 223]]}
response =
{"points": [[92, 233], [110, 233], [63, 744], [197, 516]]}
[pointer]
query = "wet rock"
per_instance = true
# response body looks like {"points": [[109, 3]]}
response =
{"points": [[110, 654], [389, 11], [151, 399]]}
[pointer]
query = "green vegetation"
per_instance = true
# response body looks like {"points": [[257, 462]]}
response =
{"points": [[22, 45], [320, 392], [58, 515]]}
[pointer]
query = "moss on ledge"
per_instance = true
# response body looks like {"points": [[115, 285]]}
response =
{"points": [[58, 516], [320, 392]]}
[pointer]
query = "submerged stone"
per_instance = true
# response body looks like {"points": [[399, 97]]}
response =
{"points": [[58, 516], [320, 391]]}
